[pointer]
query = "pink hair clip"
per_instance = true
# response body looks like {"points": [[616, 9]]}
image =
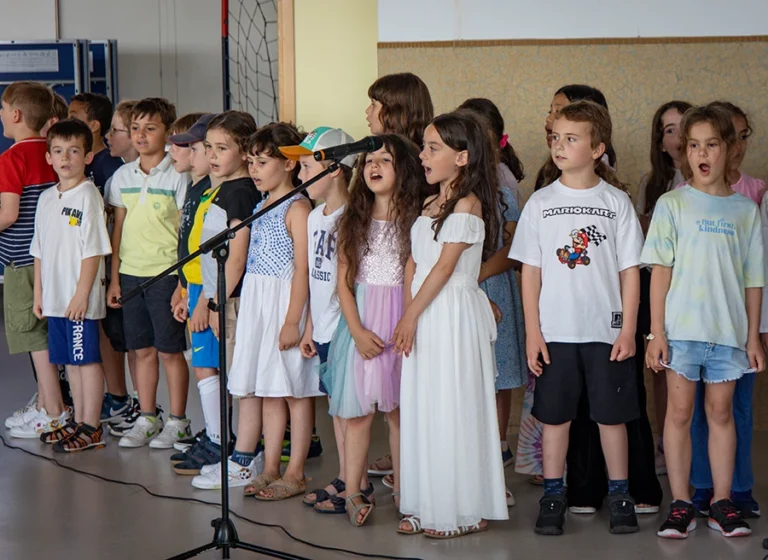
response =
{"points": [[503, 141]]}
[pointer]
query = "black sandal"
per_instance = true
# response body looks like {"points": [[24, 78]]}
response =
{"points": [[322, 494], [340, 504]]}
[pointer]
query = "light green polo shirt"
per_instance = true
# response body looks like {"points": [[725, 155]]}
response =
{"points": [[151, 229]]}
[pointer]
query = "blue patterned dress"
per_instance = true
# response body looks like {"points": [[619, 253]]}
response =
{"points": [[503, 291]]}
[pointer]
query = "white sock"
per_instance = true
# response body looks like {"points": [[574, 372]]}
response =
{"points": [[209, 397]]}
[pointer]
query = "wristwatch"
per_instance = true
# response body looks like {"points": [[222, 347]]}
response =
{"points": [[212, 305]]}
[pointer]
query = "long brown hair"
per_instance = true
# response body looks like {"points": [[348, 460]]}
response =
{"points": [[719, 118], [462, 130], [491, 113], [600, 133], [355, 222], [662, 167], [406, 106]]}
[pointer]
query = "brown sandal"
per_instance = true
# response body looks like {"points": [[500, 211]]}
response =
{"points": [[355, 509], [283, 489], [381, 466], [259, 483]]}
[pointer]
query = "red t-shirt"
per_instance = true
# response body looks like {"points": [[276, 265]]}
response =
{"points": [[23, 171]]}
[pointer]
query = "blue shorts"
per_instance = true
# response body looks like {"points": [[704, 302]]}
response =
{"points": [[73, 343], [707, 362], [322, 353], [205, 345]]}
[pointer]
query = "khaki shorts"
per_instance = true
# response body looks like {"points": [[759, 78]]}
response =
{"points": [[24, 331]]}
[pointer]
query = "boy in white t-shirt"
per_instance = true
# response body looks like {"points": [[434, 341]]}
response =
{"points": [[579, 241], [69, 245], [323, 264]]}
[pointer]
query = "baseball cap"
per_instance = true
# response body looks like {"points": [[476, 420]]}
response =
{"points": [[196, 133], [322, 138]]}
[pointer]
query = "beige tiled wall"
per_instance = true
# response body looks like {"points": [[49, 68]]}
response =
{"points": [[635, 78]]}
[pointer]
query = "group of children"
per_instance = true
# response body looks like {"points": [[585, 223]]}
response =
{"points": [[398, 293]]}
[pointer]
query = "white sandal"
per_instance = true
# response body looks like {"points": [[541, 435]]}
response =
{"points": [[415, 524], [510, 498], [460, 532]]}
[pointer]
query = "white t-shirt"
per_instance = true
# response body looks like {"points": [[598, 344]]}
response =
{"points": [[323, 268], [70, 227], [581, 239]]}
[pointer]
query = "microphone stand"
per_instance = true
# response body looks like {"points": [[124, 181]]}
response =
{"points": [[224, 534]]}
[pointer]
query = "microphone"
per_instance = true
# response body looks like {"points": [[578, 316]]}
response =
{"points": [[367, 144]]}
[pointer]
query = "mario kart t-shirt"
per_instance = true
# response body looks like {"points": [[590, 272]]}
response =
{"points": [[581, 239]]}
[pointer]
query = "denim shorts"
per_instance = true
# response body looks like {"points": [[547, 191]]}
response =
{"points": [[322, 353], [707, 362]]}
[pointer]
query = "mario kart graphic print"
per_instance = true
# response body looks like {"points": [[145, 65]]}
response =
{"points": [[576, 253]]}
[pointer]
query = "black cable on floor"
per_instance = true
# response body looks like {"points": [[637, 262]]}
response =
{"points": [[203, 502]]}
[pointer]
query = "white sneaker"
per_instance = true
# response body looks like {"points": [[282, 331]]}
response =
{"points": [[257, 465], [238, 476], [174, 430], [144, 430], [40, 424], [23, 415]]}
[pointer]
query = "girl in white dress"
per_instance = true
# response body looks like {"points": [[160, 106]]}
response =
{"points": [[452, 474], [267, 364]]}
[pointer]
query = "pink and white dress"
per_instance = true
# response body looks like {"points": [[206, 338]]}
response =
{"points": [[357, 386]]}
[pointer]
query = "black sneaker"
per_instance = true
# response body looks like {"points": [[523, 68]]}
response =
{"points": [[680, 521], [551, 515], [186, 443], [623, 516], [201, 454], [724, 517]]}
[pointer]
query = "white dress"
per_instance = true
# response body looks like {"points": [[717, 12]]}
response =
{"points": [[452, 473], [259, 368]]}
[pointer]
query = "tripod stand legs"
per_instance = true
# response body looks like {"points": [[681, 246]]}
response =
{"points": [[225, 538]]}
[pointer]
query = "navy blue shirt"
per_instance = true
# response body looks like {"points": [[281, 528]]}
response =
{"points": [[102, 168]]}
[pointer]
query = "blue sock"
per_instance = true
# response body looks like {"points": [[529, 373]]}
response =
{"points": [[618, 487], [241, 458], [553, 486]]}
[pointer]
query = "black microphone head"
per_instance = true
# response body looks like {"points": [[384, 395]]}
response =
{"points": [[374, 143]]}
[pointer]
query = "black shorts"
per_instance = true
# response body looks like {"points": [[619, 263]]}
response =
{"points": [[148, 320], [611, 386], [113, 328]]}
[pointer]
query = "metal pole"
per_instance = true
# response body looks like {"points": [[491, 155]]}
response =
{"points": [[227, 104]]}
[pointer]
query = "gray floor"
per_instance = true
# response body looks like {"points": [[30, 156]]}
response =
{"points": [[48, 512]]}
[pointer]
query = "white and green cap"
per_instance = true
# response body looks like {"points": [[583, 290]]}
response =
{"points": [[322, 138]]}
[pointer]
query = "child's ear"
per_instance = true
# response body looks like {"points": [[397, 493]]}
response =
{"points": [[290, 164], [16, 116], [598, 152], [48, 158], [462, 158], [88, 158]]}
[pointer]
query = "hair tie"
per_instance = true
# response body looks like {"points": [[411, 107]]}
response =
{"points": [[503, 141]]}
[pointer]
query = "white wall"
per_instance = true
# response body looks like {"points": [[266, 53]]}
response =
{"points": [[446, 20], [167, 48]]}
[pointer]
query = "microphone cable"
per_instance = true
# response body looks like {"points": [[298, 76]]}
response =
{"points": [[205, 503]]}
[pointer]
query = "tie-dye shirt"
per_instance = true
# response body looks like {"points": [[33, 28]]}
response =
{"points": [[715, 248]]}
